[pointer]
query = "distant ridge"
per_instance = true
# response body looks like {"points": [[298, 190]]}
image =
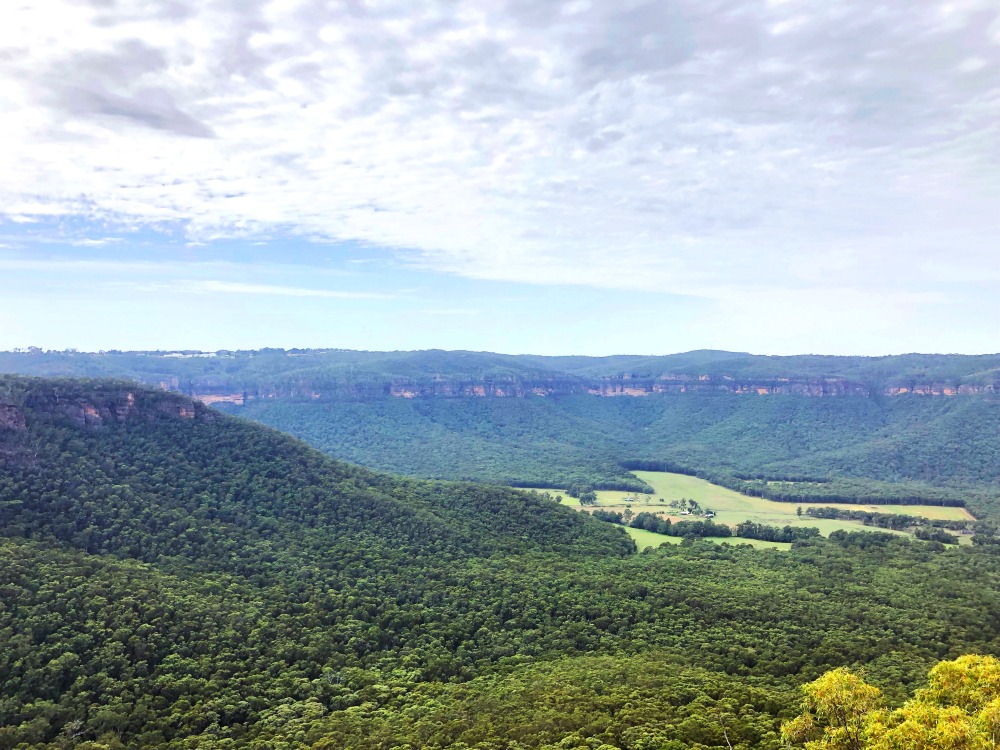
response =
{"points": [[242, 376], [898, 429]]}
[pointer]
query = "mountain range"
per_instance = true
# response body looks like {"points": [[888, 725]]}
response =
{"points": [[902, 429]]}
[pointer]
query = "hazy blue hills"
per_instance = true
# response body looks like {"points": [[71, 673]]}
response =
{"points": [[271, 367]]}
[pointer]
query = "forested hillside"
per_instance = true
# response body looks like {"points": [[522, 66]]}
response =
{"points": [[173, 577], [913, 428], [332, 372], [924, 449]]}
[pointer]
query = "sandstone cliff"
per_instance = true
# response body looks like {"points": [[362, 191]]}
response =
{"points": [[227, 377], [607, 387]]}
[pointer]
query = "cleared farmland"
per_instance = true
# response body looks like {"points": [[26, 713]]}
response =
{"points": [[732, 508]]}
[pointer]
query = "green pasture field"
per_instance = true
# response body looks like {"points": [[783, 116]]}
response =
{"points": [[675, 486], [645, 539], [732, 508]]}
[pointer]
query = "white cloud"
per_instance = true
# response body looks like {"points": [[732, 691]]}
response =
{"points": [[231, 287], [972, 64], [681, 147], [96, 242]]}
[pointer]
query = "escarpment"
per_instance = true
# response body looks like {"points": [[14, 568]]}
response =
{"points": [[606, 387], [242, 377], [90, 403]]}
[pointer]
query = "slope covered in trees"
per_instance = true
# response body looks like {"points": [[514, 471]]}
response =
{"points": [[547, 421], [930, 450], [271, 369], [172, 577], [94, 461]]}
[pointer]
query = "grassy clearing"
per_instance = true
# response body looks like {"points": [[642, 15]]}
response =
{"points": [[645, 539], [675, 486], [732, 508]]}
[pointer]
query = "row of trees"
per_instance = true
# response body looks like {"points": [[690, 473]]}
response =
{"points": [[751, 530], [931, 534], [706, 528], [897, 521]]}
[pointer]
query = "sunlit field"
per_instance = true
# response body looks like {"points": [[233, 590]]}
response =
{"points": [[732, 508], [645, 539]]}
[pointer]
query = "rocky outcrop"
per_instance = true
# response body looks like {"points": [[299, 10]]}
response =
{"points": [[90, 405], [96, 407], [705, 384], [508, 388], [398, 388], [609, 387], [941, 389], [222, 398], [12, 451]]}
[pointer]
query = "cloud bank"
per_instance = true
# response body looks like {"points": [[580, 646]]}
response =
{"points": [[721, 149]]}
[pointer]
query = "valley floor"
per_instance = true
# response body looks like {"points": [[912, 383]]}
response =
{"points": [[731, 508]]}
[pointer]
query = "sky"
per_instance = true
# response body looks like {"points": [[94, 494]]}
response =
{"points": [[588, 177]]}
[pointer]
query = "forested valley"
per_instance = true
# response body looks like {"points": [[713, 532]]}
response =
{"points": [[904, 450], [174, 577], [910, 429]]}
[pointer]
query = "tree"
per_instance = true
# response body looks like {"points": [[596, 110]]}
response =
{"points": [[958, 710], [837, 708]]}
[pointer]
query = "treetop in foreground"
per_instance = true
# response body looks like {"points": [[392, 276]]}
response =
{"points": [[959, 709]]}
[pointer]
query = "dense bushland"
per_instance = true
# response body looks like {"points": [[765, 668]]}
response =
{"points": [[902, 450], [171, 577], [860, 446]]}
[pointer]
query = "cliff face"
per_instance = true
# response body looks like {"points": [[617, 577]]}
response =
{"points": [[342, 375], [90, 405], [941, 389], [94, 405], [608, 387], [625, 386], [433, 387]]}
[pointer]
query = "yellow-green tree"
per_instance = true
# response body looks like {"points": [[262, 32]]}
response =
{"points": [[958, 710], [837, 708]]}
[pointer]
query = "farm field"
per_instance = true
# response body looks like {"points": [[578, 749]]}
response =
{"points": [[672, 486], [645, 539], [732, 508]]}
